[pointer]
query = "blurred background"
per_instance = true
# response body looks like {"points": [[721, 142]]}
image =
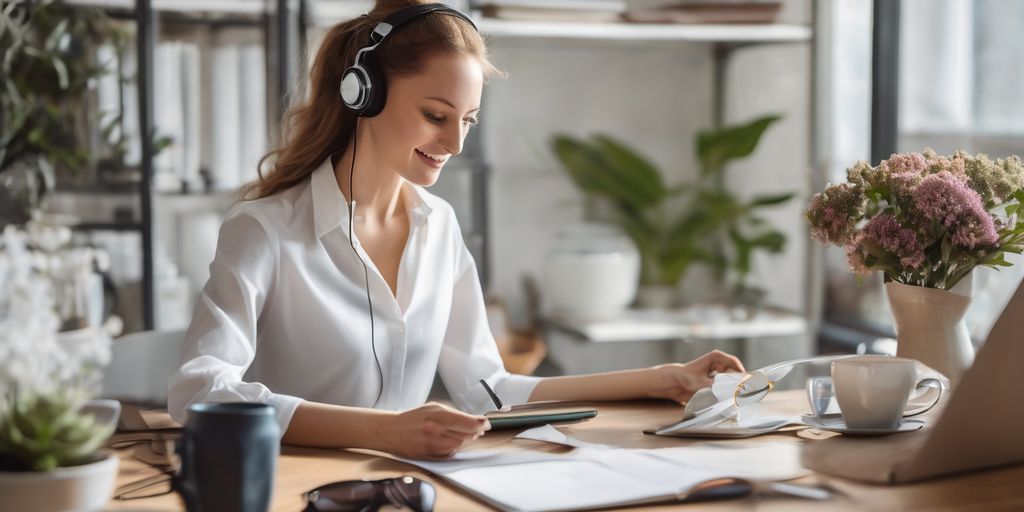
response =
{"points": [[154, 112]]}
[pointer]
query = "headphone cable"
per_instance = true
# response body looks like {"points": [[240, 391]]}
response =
{"points": [[366, 271]]}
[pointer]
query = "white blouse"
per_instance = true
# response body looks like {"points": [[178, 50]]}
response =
{"points": [[284, 316]]}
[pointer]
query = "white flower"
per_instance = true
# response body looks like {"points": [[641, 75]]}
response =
{"points": [[32, 284]]}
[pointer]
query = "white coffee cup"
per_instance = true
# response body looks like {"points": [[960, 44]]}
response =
{"points": [[872, 391]]}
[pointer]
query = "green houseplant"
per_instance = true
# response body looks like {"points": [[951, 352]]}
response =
{"points": [[48, 74], [700, 222]]}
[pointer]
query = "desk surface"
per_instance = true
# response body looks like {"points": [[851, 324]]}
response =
{"points": [[621, 424]]}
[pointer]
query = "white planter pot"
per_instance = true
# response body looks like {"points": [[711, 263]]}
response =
{"points": [[591, 273], [85, 487], [930, 326]]}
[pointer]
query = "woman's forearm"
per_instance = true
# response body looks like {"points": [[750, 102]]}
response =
{"points": [[619, 385], [336, 426]]}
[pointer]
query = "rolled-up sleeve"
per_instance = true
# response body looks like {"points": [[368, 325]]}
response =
{"points": [[469, 352], [220, 344]]}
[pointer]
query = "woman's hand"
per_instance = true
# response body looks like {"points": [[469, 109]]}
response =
{"points": [[679, 382], [432, 431]]}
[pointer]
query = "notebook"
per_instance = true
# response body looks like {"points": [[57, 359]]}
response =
{"points": [[981, 425], [540, 413]]}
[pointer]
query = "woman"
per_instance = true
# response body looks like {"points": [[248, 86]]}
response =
{"points": [[340, 321]]}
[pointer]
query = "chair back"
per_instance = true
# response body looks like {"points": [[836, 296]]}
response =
{"points": [[140, 364]]}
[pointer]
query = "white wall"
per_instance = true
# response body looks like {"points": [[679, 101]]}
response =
{"points": [[654, 96]]}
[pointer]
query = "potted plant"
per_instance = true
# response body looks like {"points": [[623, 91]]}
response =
{"points": [[677, 227], [49, 432], [926, 221], [48, 73]]}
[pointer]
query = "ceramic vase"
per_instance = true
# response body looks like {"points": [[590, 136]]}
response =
{"points": [[591, 273], [930, 326]]}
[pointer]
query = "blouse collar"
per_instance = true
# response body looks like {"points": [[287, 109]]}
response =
{"points": [[330, 209]]}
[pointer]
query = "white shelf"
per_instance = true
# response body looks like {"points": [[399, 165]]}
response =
{"points": [[710, 322], [765, 33], [186, 6]]}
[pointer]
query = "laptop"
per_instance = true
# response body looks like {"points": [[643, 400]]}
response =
{"points": [[980, 426]]}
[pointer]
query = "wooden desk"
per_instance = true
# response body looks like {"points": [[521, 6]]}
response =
{"points": [[621, 424]]}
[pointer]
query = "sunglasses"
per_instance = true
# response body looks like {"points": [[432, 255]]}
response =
{"points": [[370, 495]]}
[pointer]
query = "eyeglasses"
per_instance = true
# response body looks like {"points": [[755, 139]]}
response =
{"points": [[370, 495], [754, 386]]}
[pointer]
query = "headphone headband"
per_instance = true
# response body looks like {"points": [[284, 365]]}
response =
{"points": [[362, 88], [407, 14]]}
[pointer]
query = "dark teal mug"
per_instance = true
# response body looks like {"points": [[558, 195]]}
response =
{"points": [[228, 457]]}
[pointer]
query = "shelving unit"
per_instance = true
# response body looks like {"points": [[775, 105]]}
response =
{"points": [[282, 34], [742, 34], [722, 41]]}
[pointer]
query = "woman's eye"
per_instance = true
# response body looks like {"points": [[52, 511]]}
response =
{"points": [[432, 117]]}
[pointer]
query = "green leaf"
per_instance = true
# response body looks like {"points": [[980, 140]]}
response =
{"points": [[772, 200], [639, 171], [715, 148], [594, 175], [576, 160]]}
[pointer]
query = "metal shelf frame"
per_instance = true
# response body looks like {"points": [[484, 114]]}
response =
{"points": [[282, 31]]}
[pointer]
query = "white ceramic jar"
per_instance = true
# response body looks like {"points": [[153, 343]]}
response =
{"points": [[591, 272]]}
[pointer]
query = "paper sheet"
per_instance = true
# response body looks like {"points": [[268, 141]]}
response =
{"points": [[593, 476]]}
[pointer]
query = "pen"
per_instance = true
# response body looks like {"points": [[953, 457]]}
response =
{"points": [[494, 397]]}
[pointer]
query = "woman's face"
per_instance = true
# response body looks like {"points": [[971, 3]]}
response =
{"points": [[426, 116]]}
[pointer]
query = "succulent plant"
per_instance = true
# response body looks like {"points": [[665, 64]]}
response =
{"points": [[40, 433]]}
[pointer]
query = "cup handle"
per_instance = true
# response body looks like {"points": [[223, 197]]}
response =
{"points": [[924, 388]]}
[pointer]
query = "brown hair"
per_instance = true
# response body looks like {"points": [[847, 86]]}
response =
{"points": [[321, 126]]}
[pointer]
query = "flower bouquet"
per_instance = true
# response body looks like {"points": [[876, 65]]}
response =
{"points": [[926, 221]]}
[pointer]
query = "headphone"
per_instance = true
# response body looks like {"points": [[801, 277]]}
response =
{"points": [[362, 86]]}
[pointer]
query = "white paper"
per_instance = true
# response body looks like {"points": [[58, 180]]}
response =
{"points": [[601, 476], [550, 434]]}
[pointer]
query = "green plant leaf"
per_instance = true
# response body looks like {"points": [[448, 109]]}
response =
{"points": [[577, 160], [761, 201], [715, 148], [640, 172], [594, 175]]}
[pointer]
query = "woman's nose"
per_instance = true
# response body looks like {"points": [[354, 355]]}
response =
{"points": [[453, 137]]}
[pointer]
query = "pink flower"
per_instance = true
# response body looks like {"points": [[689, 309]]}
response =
{"points": [[855, 255], [954, 165], [833, 213], [904, 163], [887, 232], [947, 199]]}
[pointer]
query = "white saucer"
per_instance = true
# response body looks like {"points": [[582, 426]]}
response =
{"points": [[839, 426]]}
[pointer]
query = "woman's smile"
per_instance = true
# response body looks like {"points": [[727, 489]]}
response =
{"points": [[435, 161]]}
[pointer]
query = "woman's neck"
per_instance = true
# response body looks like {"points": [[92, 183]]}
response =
{"points": [[378, 190]]}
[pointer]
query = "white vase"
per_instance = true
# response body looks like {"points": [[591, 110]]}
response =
{"points": [[591, 273], [930, 326], [85, 487]]}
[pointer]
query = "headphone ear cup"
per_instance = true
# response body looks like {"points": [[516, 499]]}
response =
{"points": [[353, 88], [376, 91]]}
